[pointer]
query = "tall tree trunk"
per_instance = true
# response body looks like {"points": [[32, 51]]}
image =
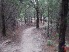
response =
{"points": [[3, 18], [63, 25], [37, 12], [48, 23], [57, 25], [25, 17], [37, 20], [51, 25]]}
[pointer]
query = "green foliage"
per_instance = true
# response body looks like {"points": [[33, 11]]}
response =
{"points": [[50, 42], [27, 7], [57, 34]]}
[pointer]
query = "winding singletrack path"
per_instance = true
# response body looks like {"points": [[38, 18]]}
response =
{"points": [[31, 42]]}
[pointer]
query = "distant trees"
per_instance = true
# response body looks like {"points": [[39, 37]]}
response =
{"points": [[52, 15], [63, 24]]}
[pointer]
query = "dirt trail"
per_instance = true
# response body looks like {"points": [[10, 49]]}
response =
{"points": [[31, 42]]}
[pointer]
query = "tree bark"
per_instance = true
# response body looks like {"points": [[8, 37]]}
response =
{"points": [[48, 23], [37, 12], [63, 25], [3, 18]]}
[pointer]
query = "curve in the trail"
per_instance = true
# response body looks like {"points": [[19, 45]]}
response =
{"points": [[30, 41]]}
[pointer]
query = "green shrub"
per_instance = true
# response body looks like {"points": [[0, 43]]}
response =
{"points": [[50, 42]]}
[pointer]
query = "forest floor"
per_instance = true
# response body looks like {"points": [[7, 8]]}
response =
{"points": [[30, 40]]}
